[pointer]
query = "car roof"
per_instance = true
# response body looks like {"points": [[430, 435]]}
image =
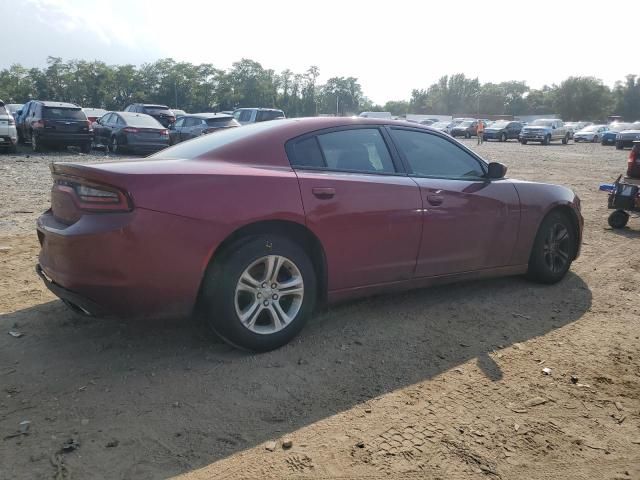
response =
{"points": [[208, 115], [259, 109], [48, 103], [153, 105]]}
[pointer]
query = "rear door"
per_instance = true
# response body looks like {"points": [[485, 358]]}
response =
{"points": [[470, 222], [360, 204]]}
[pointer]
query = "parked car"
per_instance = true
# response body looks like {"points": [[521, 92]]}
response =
{"points": [[544, 131], [94, 114], [385, 115], [253, 115], [626, 137], [573, 127], [178, 113], [54, 124], [13, 108], [8, 132], [466, 129], [444, 126], [609, 137], [502, 130], [254, 227], [196, 124], [161, 113], [130, 132], [592, 133]]}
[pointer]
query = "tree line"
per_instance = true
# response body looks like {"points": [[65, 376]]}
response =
{"points": [[203, 87]]}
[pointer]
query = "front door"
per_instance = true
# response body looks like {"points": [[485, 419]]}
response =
{"points": [[470, 222], [365, 211]]}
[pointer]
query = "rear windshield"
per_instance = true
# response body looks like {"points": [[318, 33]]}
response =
{"points": [[142, 121], [157, 110], [208, 143], [466, 123], [54, 113], [221, 122]]}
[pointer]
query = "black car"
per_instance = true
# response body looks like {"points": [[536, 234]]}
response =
{"points": [[162, 113], [131, 132], [196, 124], [502, 130], [54, 124]]}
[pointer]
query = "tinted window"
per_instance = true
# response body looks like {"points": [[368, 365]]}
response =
{"points": [[268, 115], [306, 153], [432, 156], [106, 119], [245, 116], [191, 122], [63, 113], [360, 149], [142, 120], [157, 110], [118, 120], [221, 122]]}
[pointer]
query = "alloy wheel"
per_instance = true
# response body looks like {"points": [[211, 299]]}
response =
{"points": [[269, 294], [556, 248]]}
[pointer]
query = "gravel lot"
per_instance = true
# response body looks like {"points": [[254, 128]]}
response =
{"points": [[438, 383]]}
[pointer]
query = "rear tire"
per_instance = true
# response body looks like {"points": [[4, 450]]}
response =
{"points": [[618, 219], [35, 143], [503, 137], [114, 147], [595, 139], [565, 140], [467, 135], [523, 142], [553, 249], [238, 285], [86, 148], [547, 140]]}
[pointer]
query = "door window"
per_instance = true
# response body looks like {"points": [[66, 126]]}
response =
{"points": [[245, 116], [179, 123], [430, 155], [360, 150], [106, 120]]}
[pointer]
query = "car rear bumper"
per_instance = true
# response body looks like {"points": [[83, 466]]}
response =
{"points": [[67, 138], [145, 147], [609, 140], [137, 263], [7, 141]]}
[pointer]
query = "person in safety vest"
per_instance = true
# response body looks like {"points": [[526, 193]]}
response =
{"points": [[480, 132]]}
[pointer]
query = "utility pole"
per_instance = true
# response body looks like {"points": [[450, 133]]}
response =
{"points": [[175, 84], [337, 105]]}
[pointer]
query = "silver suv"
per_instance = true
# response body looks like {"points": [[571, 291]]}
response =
{"points": [[8, 132], [545, 131]]}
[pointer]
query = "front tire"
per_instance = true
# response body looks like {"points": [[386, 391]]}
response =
{"points": [[114, 147], [259, 295], [619, 146], [595, 139], [503, 137], [553, 250], [565, 140], [467, 135], [618, 219]]}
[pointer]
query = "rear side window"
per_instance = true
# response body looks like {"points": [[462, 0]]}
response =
{"points": [[245, 116], [54, 113], [430, 155], [263, 116], [3, 110], [306, 153], [157, 110], [360, 150]]}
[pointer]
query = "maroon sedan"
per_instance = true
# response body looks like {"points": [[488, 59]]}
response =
{"points": [[256, 226]]}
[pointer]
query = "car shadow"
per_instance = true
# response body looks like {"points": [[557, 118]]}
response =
{"points": [[175, 401]]}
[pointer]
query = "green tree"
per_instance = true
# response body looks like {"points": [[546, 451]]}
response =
{"points": [[583, 98]]}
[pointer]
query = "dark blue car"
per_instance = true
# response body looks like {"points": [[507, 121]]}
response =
{"points": [[609, 137]]}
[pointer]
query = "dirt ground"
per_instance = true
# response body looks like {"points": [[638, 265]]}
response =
{"points": [[438, 383]]}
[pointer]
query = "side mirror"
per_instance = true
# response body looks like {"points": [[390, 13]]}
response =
{"points": [[496, 170]]}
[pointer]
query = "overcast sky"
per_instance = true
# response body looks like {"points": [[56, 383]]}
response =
{"points": [[391, 46]]}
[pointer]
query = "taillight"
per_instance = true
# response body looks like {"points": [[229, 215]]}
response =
{"points": [[164, 133], [12, 121], [130, 130], [94, 197]]}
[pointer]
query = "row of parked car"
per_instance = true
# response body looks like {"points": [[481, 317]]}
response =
{"points": [[140, 128], [545, 131]]}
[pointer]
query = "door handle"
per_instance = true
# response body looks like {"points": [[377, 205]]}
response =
{"points": [[435, 200], [323, 192]]}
